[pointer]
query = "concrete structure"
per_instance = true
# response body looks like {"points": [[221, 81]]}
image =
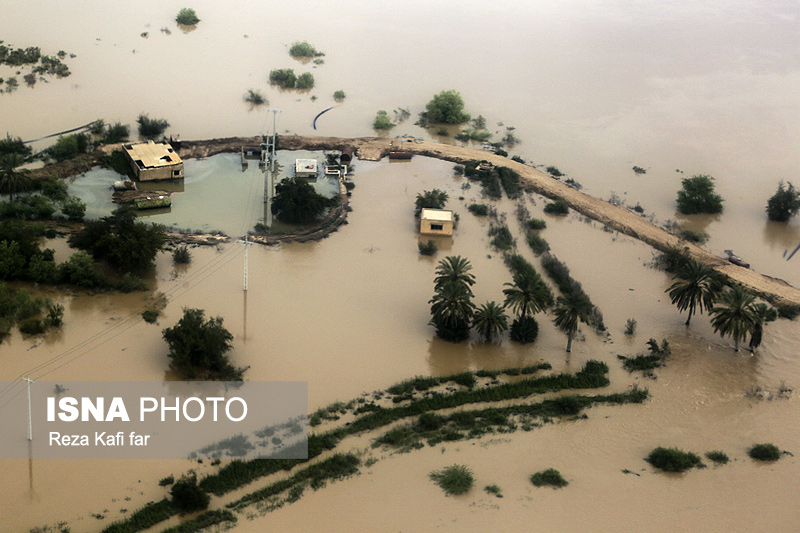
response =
{"points": [[305, 168], [436, 222], [154, 161]]}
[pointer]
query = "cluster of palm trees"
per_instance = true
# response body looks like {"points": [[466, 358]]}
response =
{"points": [[453, 313], [733, 310]]}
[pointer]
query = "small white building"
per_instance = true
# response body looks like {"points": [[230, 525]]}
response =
{"points": [[436, 222], [305, 168]]}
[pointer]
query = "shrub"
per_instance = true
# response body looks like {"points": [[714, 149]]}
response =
{"points": [[187, 496], [630, 326], [382, 121], [761, 452], [31, 326], [553, 171], [673, 459], [150, 316], [510, 181], [116, 133], [501, 237], [69, 146], [54, 189], [304, 81], [480, 210], [285, 77], [694, 236], [559, 207], [784, 204], [493, 489], [537, 243], [536, 224], [150, 128], [427, 248], [524, 330], [718, 457], [187, 17], [447, 107], [639, 170], [169, 480], [74, 209], [304, 49], [198, 347], [339, 95], [550, 477], [456, 479], [55, 316], [182, 255], [255, 97], [697, 196], [433, 199]]}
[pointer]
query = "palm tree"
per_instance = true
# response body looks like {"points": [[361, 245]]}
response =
{"points": [[452, 311], [694, 288], [529, 294], [762, 313], [734, 314], [490, 321], [570, 309], [12, 180], [454, 268]]}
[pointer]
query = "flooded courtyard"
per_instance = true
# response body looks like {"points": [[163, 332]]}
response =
{"points": [[592, 89]]}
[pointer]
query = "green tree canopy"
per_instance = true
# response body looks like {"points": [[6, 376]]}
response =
{"points": [[12, 180], [121, 241], [784, 204], [454, 269], [570, 309], [447, 107], [694, 288], [296, 202], [734, 314], [698, 197], [198, 347], [490, 321]]}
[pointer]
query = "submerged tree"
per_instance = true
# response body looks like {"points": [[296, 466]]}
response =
{"points": [[198, 347], [762, 314], [784, 204], [454, 269], [572, 308], [433, 199], [447, 107], [733, 314], [490, 321], [694, 288], [698, 197], [529, 294], [296, 202], [452, 309]]}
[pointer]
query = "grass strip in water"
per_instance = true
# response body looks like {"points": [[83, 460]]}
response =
{"points": [[207, 519]]}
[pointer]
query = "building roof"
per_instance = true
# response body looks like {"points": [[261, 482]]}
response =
{"points": [[443, 215], [152, 154], [305, 165]]}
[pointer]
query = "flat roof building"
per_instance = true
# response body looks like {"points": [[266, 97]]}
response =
{"points": [[436, 222], [305, 168], [154, 161]]}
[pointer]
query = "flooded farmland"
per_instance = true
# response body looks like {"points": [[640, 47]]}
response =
{"points": [[591, 88]]}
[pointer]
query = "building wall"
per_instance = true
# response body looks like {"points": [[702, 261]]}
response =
{"points": [[158, 173], [429, 227]]}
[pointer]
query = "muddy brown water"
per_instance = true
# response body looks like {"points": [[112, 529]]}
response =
{"points": [[593, 90]]}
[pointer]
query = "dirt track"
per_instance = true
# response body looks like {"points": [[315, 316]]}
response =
{"points": [[616, 217]]}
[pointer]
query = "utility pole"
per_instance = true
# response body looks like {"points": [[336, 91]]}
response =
{"points": [[247, 244], [274, 136], [30, 421]]}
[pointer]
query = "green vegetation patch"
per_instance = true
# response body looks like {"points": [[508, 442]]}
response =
{"points": [[501, 237], [427, 248], [558, 208], [479, 210], [453, 480], [697, 196], [765, 452], [304, 49], [673, 459], [718, 457], [550, 477], [382, 121], [187, 17]]}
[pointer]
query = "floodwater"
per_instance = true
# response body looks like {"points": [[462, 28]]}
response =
{"points": [[218, 193], [593, 88]]}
